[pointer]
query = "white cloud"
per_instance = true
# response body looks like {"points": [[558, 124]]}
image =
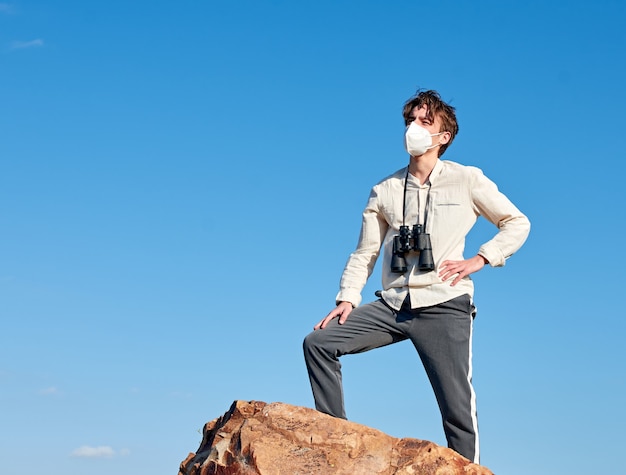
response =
{"points": [[38, 43], [103, 451], [52, 390]]}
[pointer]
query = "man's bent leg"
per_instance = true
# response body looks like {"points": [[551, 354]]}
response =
{"points": [[443, 337], [369, 326]]}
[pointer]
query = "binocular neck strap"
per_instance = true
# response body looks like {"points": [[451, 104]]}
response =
{"points": [[406, 179]]}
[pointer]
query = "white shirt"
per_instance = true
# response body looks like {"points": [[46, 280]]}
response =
{"points": [[457, 195]]}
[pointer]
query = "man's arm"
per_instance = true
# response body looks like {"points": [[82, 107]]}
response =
{"points": [[360, 263], [513, 225], [513, 228]]}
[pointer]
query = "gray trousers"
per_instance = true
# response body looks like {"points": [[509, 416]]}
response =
{"points": [[442, 336]]}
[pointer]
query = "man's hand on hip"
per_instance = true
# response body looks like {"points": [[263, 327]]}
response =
{"points": [[460, 269]]}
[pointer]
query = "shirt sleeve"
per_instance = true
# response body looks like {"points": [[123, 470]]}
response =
{"points": [[362, 261], [513, 225]]}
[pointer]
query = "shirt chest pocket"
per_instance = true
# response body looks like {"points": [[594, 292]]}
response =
{"points": [[450, 204]]}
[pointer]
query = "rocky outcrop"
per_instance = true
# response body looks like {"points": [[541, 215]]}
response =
{"points": [[256, 438]]}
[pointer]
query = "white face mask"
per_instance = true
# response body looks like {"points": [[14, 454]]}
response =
{"points": [[418, 140]]}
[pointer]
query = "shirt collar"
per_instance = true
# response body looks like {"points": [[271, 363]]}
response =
{"points": [[436, 171]]}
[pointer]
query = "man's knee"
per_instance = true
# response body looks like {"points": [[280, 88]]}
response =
{"points": [[315, 343], [309, 343]]}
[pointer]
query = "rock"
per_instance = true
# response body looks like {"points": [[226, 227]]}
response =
{"points": [[256, 438]]}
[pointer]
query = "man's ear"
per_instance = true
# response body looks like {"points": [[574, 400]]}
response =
{"points": [[444, 138]]}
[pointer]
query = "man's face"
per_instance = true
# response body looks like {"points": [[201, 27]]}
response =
{"points": [[420, 117]]}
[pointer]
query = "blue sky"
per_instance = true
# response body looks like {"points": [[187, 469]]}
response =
{"points": [[181, 185]]}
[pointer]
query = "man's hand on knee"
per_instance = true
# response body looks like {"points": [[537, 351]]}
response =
{"points": [[341, 311]]}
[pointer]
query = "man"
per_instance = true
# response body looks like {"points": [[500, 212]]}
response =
{"points": [[419, 217]]}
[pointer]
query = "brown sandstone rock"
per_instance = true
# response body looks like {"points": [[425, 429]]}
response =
{"points": [[255, 438]]}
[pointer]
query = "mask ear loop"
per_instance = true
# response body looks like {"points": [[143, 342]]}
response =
{"points": [[438, 145]]}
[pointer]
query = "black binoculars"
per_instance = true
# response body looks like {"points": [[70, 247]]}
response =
{"points": [[411, 240]]}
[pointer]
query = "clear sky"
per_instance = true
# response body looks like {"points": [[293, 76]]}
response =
{"points": [[181, 184]]}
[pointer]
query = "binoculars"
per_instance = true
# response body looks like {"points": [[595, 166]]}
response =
{"points": [[411, 240]]}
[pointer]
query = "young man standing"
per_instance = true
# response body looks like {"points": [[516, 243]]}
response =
{"points": [[419, 217]]}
